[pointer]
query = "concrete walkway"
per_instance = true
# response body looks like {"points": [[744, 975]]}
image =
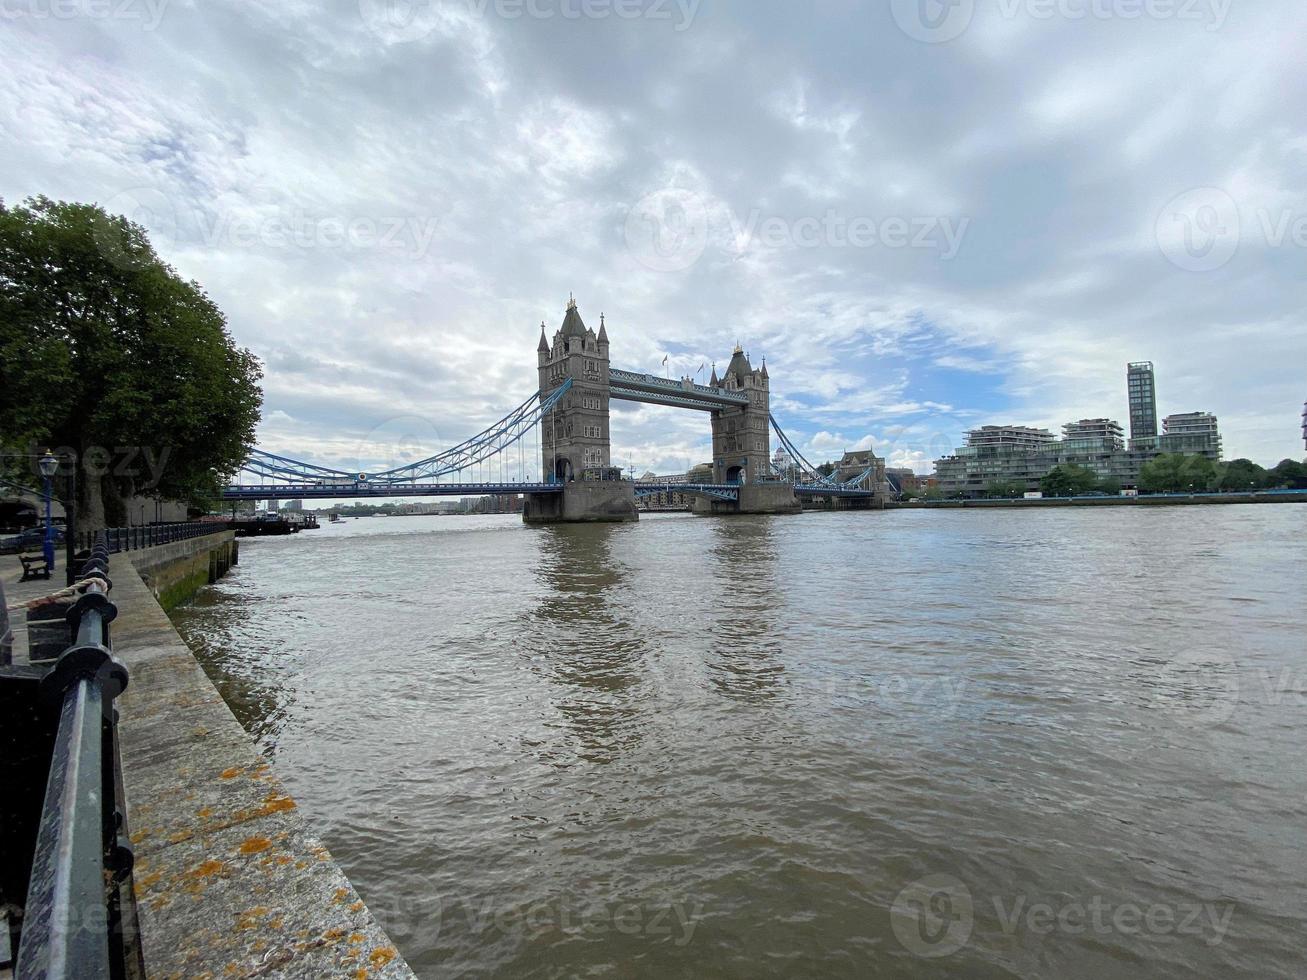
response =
{"points": [[11, 570]]}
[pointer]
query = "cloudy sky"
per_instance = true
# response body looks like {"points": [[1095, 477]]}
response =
{"points": [[924, 215]]}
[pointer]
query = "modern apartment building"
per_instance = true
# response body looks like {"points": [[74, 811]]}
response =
{"points": [[1007, 437], [1191, 432], [1092, 443], [1141, 387], [1096, 430]]}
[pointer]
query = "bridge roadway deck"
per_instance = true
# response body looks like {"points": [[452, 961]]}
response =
{"points": [[338, 491]]}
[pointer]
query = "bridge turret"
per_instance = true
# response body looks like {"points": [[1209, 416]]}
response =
{"points": [[576, 434], [742, 436]]}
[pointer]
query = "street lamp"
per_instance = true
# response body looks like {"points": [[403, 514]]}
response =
{"points": [[49, 466]]}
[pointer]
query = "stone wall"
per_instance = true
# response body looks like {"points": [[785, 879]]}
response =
{"points": [[175, 572]]}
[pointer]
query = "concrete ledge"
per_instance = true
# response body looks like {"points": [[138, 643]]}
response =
{"points": [[229, 881]]}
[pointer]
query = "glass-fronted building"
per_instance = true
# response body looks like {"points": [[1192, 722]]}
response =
{"points": [[1092, 443], [1141, 386]]}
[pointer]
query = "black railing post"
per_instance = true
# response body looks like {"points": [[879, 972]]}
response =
{"points": [[79, 859]]}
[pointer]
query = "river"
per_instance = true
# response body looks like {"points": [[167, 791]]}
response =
{"points": [[1051, 743]]}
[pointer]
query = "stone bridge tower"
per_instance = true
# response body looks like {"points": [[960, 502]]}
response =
{"points": [[574, 439], [741, 436]]}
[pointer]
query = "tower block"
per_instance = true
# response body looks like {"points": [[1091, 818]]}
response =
{"points": [[575, 447]]}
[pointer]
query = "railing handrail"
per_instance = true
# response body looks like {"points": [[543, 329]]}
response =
{"points": [[138, 536], [81, 854]]}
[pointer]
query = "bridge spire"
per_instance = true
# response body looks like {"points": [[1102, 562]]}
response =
{"points": [[603, 333]]}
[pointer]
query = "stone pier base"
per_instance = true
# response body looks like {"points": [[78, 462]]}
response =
{"points": [[759, 498], [583, 502]]}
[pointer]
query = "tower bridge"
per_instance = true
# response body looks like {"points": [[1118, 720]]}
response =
{"points": [[569, 418]]}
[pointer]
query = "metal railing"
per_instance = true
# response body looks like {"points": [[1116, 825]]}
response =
{"points": [[120, 539], [73, 919]]}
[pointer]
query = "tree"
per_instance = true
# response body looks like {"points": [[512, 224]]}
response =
{"points": [[1240, 474], [1109, 485], [1290, 474], [108, 354], [1004, 488], [1178, 473], [1068, 480]]}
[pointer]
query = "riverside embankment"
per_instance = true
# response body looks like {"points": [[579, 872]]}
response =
{"points": [[229, 880], [1148, 500]]}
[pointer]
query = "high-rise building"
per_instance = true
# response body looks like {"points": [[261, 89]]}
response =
{"points": [[1142, 388], [1304, 423]]}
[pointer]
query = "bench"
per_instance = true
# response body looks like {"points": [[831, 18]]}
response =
{"points": [[34, 566]]}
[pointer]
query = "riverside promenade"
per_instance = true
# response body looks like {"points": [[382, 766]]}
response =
{"points": [[228, 879]]}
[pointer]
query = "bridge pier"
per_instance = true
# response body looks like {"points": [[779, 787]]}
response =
{"points": [[757, 498], [581, 502]]}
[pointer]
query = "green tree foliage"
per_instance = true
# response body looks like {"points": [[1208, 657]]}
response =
{"points": [[1178, 473], [106, 351], [1240, 474], [1005, 488], [1289, 473], [1068, 480]]}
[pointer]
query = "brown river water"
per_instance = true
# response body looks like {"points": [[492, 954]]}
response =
{"points": [[1054, 743]]}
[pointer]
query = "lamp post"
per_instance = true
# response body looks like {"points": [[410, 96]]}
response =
{"points": [[49, 466]]}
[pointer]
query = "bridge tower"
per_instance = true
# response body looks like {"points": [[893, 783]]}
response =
{"points": [[575, 446], [741, 436]]}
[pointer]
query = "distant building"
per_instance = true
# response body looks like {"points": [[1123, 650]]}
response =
{"points": [[1096, 430], [294, 506], [853, 465], [1304, 424], [1092, 443], [1007, 437], [783, 465], [1191, 432], [1141, 387]]}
